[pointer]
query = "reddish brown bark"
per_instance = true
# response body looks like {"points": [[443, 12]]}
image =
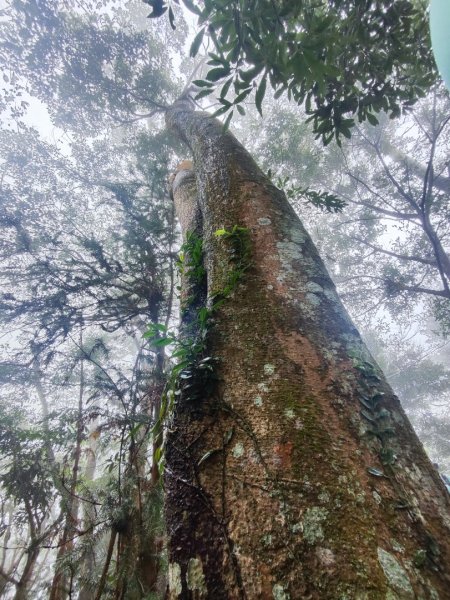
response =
{"points": [[104, 575], [299, 476]]}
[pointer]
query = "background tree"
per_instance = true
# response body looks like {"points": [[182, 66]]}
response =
{"points": [[89, 245], [399, 221]]}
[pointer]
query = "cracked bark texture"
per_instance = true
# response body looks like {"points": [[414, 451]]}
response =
{"points": [[276, 486]]}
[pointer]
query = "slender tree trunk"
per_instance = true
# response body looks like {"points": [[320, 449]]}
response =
{"points": [[299, 475], [87, 591], [139, 540], [104, 575], [10, 559], [63, 577], [22, 591]]}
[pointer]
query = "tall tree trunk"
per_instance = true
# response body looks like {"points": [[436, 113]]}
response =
{"points": [[298, 475]]}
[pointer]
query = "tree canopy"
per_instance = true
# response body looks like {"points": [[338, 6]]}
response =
{"points": [[343, 59]]}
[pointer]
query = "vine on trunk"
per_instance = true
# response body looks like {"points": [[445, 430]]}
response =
{"points": [[193, 375]]}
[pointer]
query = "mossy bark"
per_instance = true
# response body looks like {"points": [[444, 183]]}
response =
{"points": [[299, 476]]}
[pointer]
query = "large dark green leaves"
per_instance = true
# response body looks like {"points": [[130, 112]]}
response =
{"points": [[345, 59]]}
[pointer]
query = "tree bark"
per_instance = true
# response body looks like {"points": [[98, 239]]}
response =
{"points": [[63, 577], [104, 575], [298, 475], [22, 591], [88, 559], [139, 546]]}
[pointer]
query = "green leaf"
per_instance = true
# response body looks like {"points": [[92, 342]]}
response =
{"points": [[227, 122], [202, 83], [218, 73], [204, 93], [367, 416], [220, 111], [247, 76], [327, 139], [160, 342], [346, 132], [240, 109], [154, 329], [366, 402], [158, 454], [203, 315], [180, 366], [372, 119], [260, 92], [225, 88], [196, 43], [207, 455], [242, 95], [375, 472], [208, 359], [172, 19], [216, 60], [220, 232], [158, 10]]}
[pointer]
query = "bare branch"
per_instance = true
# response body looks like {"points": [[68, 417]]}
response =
{"points": [[419, 259]]}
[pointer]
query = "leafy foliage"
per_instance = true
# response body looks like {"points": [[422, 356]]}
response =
{"points": [[192, 376], [344, 59], [239, 251], [25, 475], [61, 55], [322, 200]]}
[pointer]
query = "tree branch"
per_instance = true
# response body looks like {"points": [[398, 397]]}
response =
{"points": [[8, 578], [418, 259]]}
